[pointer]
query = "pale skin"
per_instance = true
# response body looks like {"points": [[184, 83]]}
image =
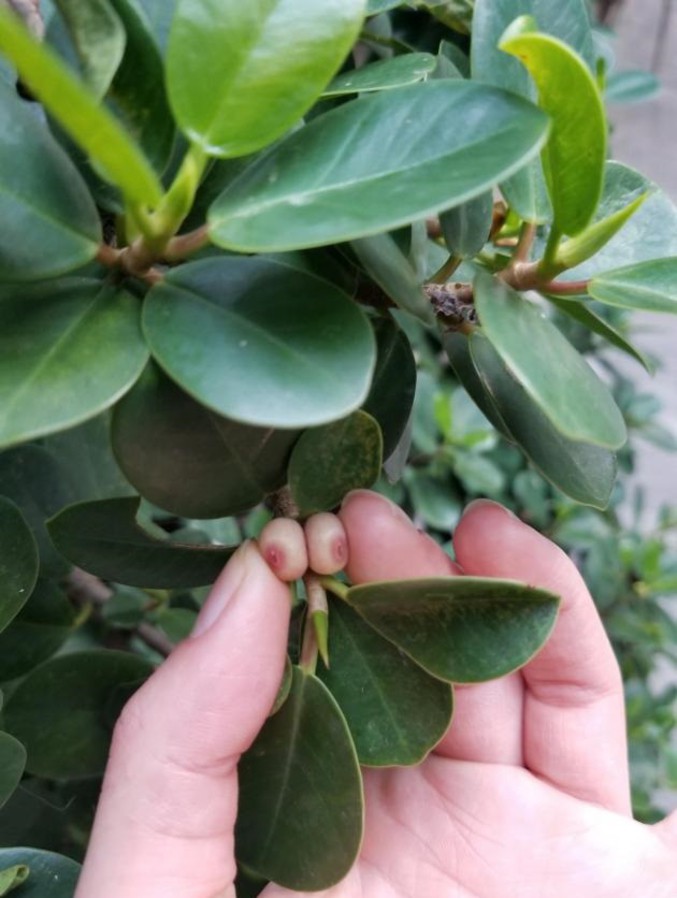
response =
{"points": [[527, 795]]}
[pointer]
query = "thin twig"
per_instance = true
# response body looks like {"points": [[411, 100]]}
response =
{"points": [[185, 245], [525, 242]]}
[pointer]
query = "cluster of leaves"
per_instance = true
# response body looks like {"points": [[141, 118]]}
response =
{"points": [[219, 256]]}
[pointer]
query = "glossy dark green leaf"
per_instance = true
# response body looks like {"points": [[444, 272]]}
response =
{"points": [[584, 472], [79, 113], [68, 350], [580, 311], [240, 74], [466, 227], [651, 233], [570, 22], [32, 478], [50, 221], [393, 386], [631, 86], [435, 499], [556, 377], [138, 89], [383, 75], [457, 348], [574, 156], [57, 711], [648, 287], [105, 539], [19, 561], [37, 632], [460, 629], [389, 267], [98, 37], [302, 352], [51, 875], [396, 712], [327, 462], [455, 14], [187, 460], [331, 181], [12, 764], [304, 829]]}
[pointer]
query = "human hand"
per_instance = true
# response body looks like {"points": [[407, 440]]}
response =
{"points": [[527, 795]]}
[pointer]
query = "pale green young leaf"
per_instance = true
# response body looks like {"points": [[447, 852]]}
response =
{"points": [[241, 74], [79, 112], [50, 874], [574, 156]]}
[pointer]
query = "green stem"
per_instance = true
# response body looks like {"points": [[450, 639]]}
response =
{"points": [[443, 274], [548, 266], [178, 200], [335, 587]]}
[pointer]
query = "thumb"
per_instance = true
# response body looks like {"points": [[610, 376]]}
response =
{"points": [[164, 826]]}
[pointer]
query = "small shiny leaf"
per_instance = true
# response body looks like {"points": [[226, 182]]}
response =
{"points": [[79, 112], [586, 244], [49, 335], [584, 472], [19, 561], [50, 221], [383, 75], [50, 875], [105, 539], [327, 462], [393, 386], [302, 350], [466, 227], [187, 460], [574, 156], [12, 764], [330, 181], [459, 629], [304, 829], [240, 74], [648, 287], [396, 712], [57, 711], [556, 377]]}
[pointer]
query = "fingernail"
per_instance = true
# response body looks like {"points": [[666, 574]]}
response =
{"points": [[488, 503], [378, 499], [224, 589]]}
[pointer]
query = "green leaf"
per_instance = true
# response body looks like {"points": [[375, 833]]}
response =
{"points": [[460, 629], [559, 381], [159, 15], [396, 712], [79, 113], [584, 472], [50, 874], [304, 829], [98, 37], [385, 74], [327, 462], [138, 89], [12, 764], [393, 386], [576, 250], [435, 499], [580, 311], [387, 265], [57, 711], [51, 222], [456, 14], [32, 478], [570, 22], [187, 460], [375, 7], [12, 878], [651, 233], [19, 561], [649, 286], [574, 156], [303, 351], [318, 187], [68, 350], [241, 74], [466, 227], [105, 539], [631, 86], [37, 632]]}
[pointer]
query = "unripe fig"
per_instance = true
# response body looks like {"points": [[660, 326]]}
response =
{"points": [[327, 543], [283, 545]]}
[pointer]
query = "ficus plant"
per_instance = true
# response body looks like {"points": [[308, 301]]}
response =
{"points": [[223, 224]]}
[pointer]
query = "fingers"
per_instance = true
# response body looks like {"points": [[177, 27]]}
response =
{"points": [[574, 723], [164, 828]]}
